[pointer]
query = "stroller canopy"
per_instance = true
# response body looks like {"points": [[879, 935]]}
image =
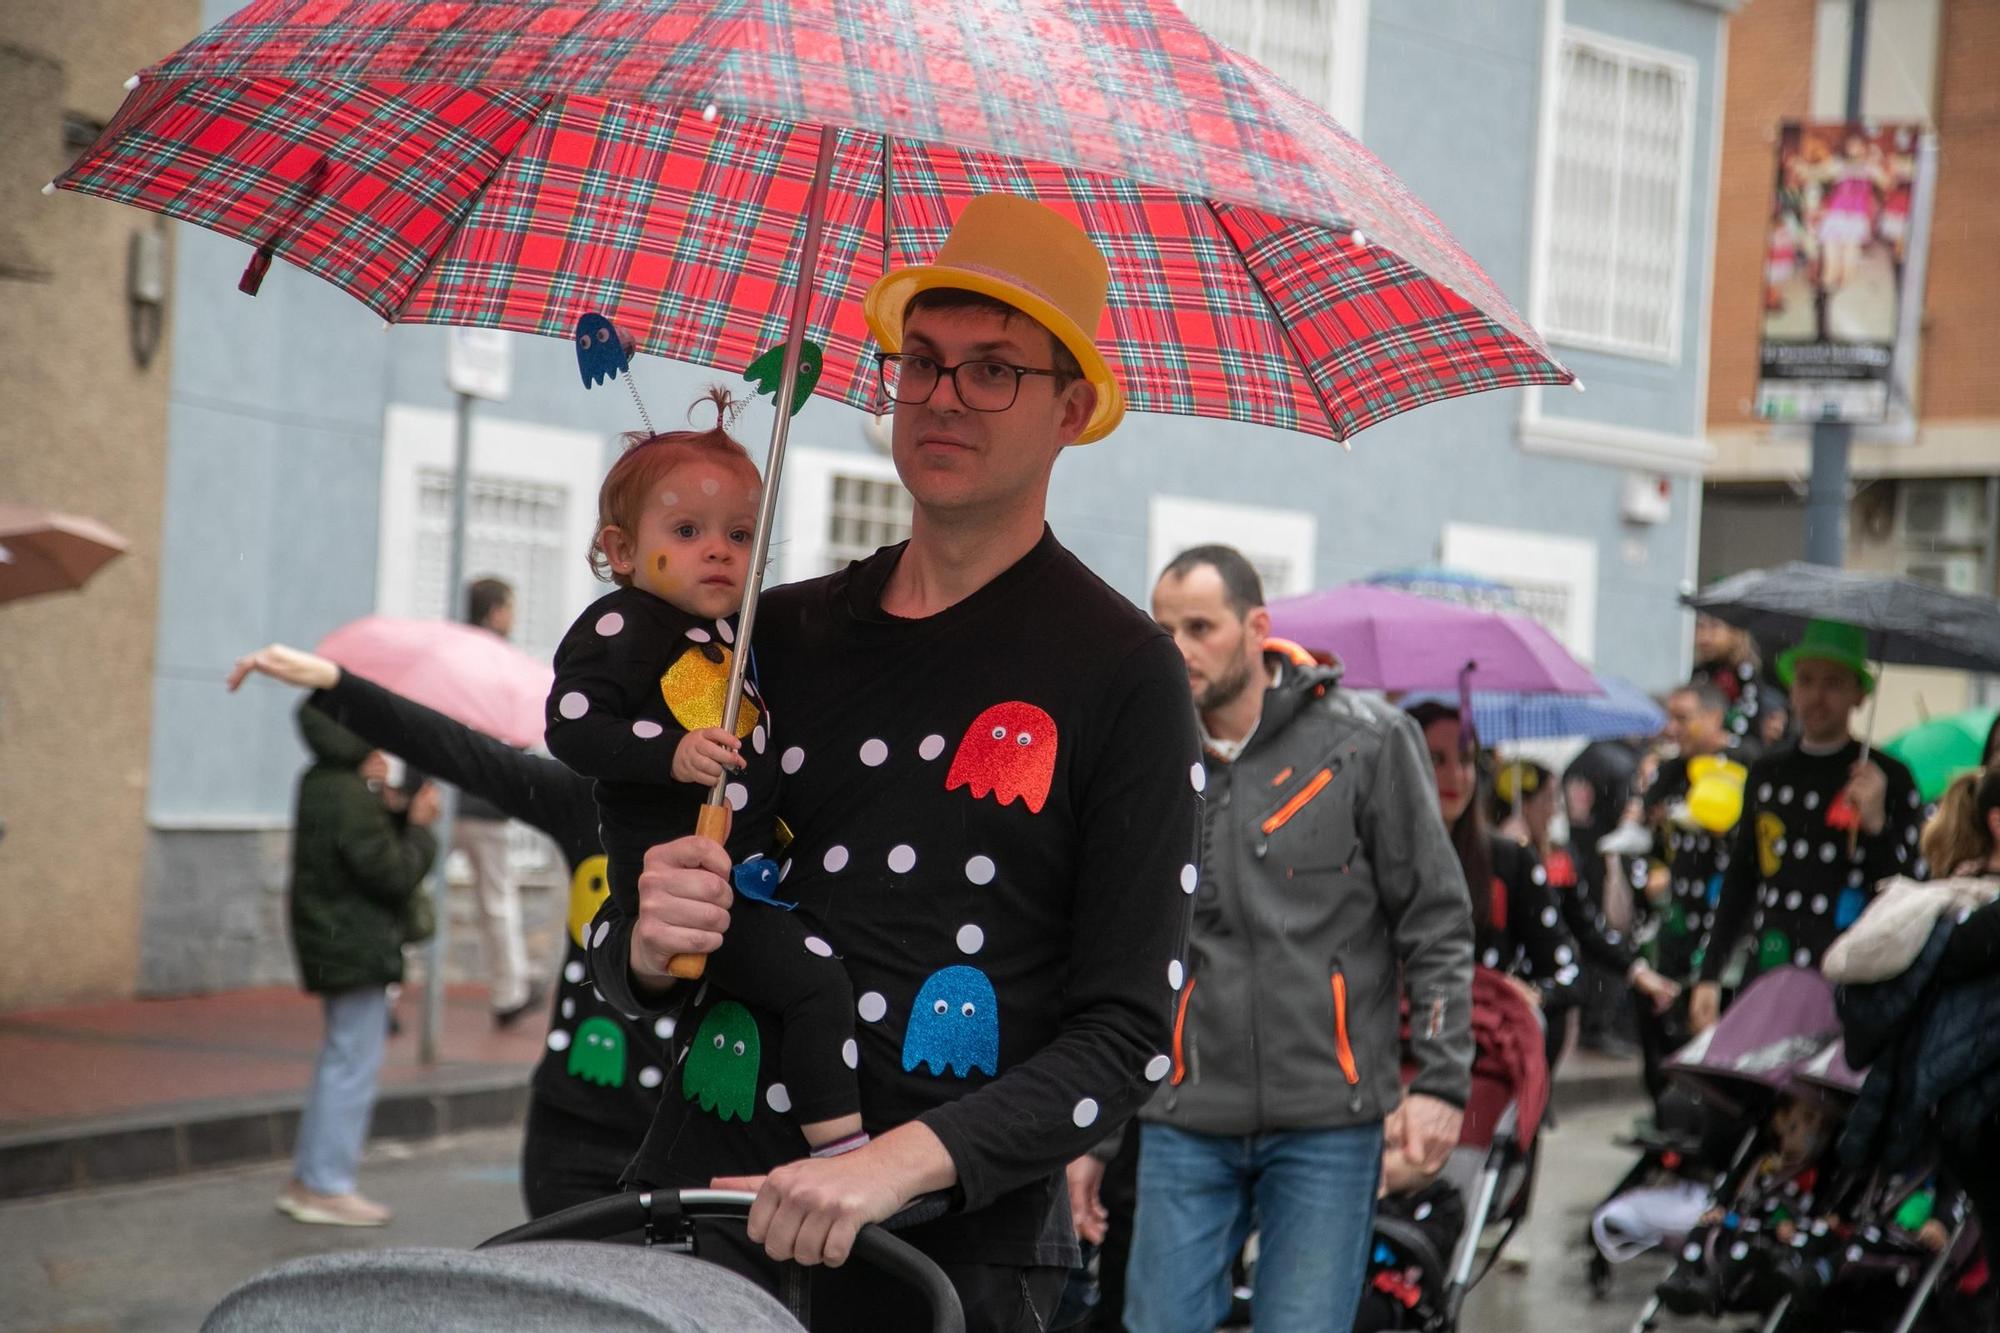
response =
{"points": [[530, 1288]]}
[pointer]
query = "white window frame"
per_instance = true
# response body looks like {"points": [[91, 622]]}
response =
{"points": [[1629, 52], [1176, 522], [805, 505], [1517, 556], [1348, 31], [419, 438]]}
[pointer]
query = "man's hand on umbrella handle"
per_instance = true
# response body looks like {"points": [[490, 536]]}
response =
{"points": [[1427, 1130], [1703, 1007], [1868, 792], [684, 902], [308, 671], [1086, 1204]]}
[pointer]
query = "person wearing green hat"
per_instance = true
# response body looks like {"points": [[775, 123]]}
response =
{"points": [[1821, 823]]}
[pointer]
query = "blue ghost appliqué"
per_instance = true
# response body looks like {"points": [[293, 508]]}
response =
{"points": [[955, 1024], [600, 352]]}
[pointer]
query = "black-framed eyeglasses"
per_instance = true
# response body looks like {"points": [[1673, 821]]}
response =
{"points": [[983, 386]]}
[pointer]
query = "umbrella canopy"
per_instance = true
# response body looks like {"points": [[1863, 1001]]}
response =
{"points": [[1915, 624], [41, 551], [1450, 585], [1939, 750], [1622, 709], [1389, 640], [513, 164], [470, 675]]}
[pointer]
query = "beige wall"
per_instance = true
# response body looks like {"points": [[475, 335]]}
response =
{"points": [[84, 430]]}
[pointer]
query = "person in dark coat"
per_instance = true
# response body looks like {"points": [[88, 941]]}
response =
{"points": [[355, 865], [593, 1094]]}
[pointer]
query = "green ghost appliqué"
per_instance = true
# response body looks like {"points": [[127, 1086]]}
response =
{"points": [[598, 1053], [721, 1067]]}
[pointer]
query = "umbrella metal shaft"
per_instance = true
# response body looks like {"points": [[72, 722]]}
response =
{"points": [[714, 817]]}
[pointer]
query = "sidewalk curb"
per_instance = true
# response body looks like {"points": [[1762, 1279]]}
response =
{"points": [[199, 1136]]}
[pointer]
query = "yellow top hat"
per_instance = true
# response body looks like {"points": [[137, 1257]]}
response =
{"points": [[1030, 257]]}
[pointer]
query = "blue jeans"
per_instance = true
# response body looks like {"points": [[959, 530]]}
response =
{"points": [[342, 1099], [1311, 1196]]}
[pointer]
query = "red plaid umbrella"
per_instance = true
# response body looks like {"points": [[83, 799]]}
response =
{"points": [[511, 164]]}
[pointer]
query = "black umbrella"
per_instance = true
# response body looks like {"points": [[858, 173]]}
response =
{"points": [[1914, 624]]}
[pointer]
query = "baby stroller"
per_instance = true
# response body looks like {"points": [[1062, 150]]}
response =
{"points": [[1741, 1067], [1885, 1267], [558, 1273], [1430, 1248]]}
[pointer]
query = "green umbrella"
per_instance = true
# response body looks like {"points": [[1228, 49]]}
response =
{"points": [[1939, 750]]}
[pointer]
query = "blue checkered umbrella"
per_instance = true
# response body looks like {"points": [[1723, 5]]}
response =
{"points": [[1499, 716]]}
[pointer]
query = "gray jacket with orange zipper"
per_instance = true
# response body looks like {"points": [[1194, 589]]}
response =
{"points": [[1326, 879]]}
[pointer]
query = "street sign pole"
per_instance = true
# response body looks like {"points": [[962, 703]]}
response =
{"points": [[1826, 487], [479, 363], [431, 1043]]}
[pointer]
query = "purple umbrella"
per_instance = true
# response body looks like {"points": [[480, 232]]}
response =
{"points": [[1389, 640], [1777, 1026]]}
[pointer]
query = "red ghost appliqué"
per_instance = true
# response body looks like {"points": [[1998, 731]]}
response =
{"points": [[1008, 751]]}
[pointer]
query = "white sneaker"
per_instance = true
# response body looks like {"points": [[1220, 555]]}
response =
{"points": [[330, 1210]]}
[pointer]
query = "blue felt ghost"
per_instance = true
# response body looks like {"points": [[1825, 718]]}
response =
{"points": [[757, 880], [600, 352], [955, 1024]]}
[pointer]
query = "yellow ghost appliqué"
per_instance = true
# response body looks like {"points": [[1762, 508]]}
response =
{"points": [[695, 687], [1770, 843], [588, 888]]}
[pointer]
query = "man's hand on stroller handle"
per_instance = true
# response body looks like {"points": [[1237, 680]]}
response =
{"points": [[809, 1211]]}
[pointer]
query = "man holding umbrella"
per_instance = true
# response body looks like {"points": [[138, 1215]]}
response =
{"points": [[991, 777], [1823, 821]]}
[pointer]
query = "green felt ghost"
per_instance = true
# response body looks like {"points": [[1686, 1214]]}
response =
{"points": [[721, 1068], [1676, 923], [598, 1053], [1774, 950], [767, 372]]}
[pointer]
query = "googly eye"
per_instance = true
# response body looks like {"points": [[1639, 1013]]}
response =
{"points": [[967, 1009], [940, 1007], [604, 335], [1024, 740], [740, 1048], [999, 733], [583, 340], [718, 1041]]}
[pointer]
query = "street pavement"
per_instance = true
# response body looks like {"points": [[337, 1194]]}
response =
{"points": [[156, 1257]]}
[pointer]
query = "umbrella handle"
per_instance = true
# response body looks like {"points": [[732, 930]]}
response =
{"points": [[712, 823]]}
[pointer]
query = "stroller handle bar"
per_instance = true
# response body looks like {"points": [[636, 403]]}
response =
{"points": [[617, 1214]]}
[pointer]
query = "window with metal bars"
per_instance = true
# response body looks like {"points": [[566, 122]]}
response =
{"points": [[513, 531], [864, 515], [1622, 161], [1313, 45]]}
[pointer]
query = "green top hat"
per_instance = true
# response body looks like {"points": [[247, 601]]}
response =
{"points": [[1829, 641]]}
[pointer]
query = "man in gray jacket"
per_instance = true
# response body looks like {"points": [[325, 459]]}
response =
{"points": [[1328, 887]]}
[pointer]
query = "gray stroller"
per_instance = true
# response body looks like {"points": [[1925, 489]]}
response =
{"points": [[559, 1273]]}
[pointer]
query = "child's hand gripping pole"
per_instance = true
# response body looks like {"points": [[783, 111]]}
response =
{"points": [[713, 820]]}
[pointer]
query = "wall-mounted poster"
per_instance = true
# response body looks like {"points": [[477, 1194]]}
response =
{"points": [[1842, 270]]}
